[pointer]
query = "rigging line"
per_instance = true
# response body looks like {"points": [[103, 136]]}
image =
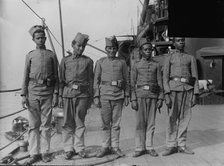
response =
{"points": [[56, 39], [2, 117], [93, 54], [10, 90], [13, 140], [32, 10], [42, 20]]}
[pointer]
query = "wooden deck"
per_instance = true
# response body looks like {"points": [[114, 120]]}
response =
{"points": [[205, 138]]}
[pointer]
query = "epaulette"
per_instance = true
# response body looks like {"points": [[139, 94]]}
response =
{"points": [[85, 56], [31, 51], [101, 59], [153, 60], [136, 61], [49, 50]]}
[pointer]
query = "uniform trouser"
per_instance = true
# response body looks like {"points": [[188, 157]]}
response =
{"points": [[74, 123], [111, 112], [178, 118], [145, 123], [40, 114]]}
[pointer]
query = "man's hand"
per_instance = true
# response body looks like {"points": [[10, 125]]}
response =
{"points": [[25, 102], [193, 100], [60, 102], [55, 100], [159, 104], [168, 101], [134, 105], [126, 101], [97, 102], [90, 101]]}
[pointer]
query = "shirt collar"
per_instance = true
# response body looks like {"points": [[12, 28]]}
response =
{"points": [[41, 47], [75, 56], [147, 60]]}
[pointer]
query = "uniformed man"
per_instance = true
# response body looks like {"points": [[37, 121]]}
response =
{"points": [[40, 94], [76, 89], [180, 80], [110, 92], [147, 97]]}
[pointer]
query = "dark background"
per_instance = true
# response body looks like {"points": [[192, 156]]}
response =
{"points": [[196, 18]]}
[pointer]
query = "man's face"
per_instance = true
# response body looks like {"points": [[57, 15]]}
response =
{"points": [[111, 51], [146, 51], [39, 38], [78, 48], [179, 43]]}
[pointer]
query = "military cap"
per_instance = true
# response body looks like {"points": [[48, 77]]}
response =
{"points": [[81, 38], [143, 41], [35, 28], [111, 42]]}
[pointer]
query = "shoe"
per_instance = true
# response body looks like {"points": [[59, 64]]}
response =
{"points": [[170, 151], [138, 153], [152, 152], [117, 151], [184, 149], [46, 157], [32, 159], [68, 155], [103, 152], [82, 153]]}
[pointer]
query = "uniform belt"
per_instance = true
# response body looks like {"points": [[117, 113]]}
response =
{"points": [[78, 86], [38, 81], [180, 79], [152, 88], [117, 83], [187, 80]]}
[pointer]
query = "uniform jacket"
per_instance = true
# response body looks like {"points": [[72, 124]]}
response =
{"points": [[76, 70], [145, 72], [110, 70], [40, 64], [179, 64]]}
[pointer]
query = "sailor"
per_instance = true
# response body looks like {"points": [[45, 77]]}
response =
{"points": [[76, 90], [146, 98], [40, 94], [110, 92], [180, 80]]}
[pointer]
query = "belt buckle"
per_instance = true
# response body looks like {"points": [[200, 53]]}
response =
{"points": [[183, 80], [40, 81], [146, 87], [74, 86], [114, 83]]}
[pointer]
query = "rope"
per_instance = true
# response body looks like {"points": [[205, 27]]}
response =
{"points": [[2, 117], [55, 38], [13, 140], [42, 20], [10, 90], [32, 10]]}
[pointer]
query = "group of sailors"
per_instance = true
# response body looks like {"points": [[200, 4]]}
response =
{"points": [[78, 84]]}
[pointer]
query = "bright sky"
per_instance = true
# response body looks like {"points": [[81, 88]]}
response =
{"points": [[97, 18]]}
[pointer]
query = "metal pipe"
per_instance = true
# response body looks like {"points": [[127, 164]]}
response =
{"points": [[62, 37]]}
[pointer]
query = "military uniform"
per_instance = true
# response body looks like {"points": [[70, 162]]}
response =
{"points": [[111, 86], [39, 84], [147, 88], [76, 88], [180, 80], [106, 72]]}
